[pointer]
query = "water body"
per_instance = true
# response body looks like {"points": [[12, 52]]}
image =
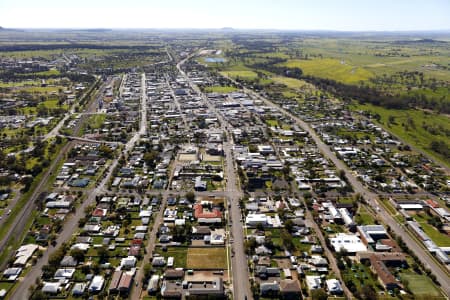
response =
{"points": [[215, 59]]}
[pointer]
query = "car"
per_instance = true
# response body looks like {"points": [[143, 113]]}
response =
{"points": [[8, 212]]}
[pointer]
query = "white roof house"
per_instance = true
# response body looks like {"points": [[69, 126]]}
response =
{"points": [[255, 219], [96, 284], [51, 287], [334, 286], [128, 262], [349, 242], [313, 282]]}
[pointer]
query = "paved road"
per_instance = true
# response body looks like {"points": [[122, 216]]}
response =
{"points": [[69, 228], [71, 225], [21, 219], [240, 275], [372, 198]]}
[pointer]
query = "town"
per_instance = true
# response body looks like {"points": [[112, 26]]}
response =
{"points": [[155, 172]]}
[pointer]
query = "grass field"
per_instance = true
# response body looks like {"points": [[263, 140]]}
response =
{"points": [[206, 258], [421, 285], [220, 89], [418, 137], [245, 74], [292, 82], [338, 70], [441, 239]]}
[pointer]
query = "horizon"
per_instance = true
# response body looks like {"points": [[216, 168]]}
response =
{"points": [[286, 15]]}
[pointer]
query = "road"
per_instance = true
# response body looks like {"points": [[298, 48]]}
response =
{"points": [[240, 274], [21, 219], [372, 198], [70, 226]]}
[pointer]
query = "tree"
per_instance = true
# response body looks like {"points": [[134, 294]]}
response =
{"points": [[319, 294], [190, 196], [368, 292]]}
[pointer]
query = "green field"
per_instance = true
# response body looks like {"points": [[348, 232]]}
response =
{"points": [[339, 70], [220, 89], [206, 258], [244, 74], [421, 285], [415, 135]]}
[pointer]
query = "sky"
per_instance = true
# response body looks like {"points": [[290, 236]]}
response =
{"points": [[341, 15]]}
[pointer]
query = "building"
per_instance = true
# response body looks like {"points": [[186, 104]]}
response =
{"points": [[334, 287], [290, 289], [347, 242]]}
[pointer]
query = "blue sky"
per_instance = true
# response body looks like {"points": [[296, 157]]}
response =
{"points": [[348, 15]]}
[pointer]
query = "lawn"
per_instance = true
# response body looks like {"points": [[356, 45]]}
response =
{"points": [[339, 70], [414, 134], [421, 285], [220, 89], [206, 258], [441, 239], [178, 253]]}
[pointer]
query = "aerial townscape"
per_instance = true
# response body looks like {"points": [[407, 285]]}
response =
{"points": [[224, 164]]}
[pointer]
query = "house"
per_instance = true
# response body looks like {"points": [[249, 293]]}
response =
{"points": [[78, 289], [158, 261], [96, 284], [174, 274], [128, 262], [269, 288], [213, 288], [153, 284], [64, 273], [290, 289], [347, 242], [198, 232], [68, 261], [255, 219], [200, 185], [51, 287], [24, 253], [334, 287], [208, 217], [124, 285], [11, 274], [113, 286], [313, 282]]}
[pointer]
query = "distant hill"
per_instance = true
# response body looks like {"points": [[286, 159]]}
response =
{"points": [[421, 41]]}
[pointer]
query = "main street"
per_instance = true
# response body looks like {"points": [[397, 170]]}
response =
{"points": [[240, 274], [372, 198]]}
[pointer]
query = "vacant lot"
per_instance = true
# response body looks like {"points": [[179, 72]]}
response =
{"points": [[421, 285], [206, 258]]}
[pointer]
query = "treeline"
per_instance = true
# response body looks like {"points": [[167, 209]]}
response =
{"points": [[37, 47], [12, 76], [274, 67]]}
